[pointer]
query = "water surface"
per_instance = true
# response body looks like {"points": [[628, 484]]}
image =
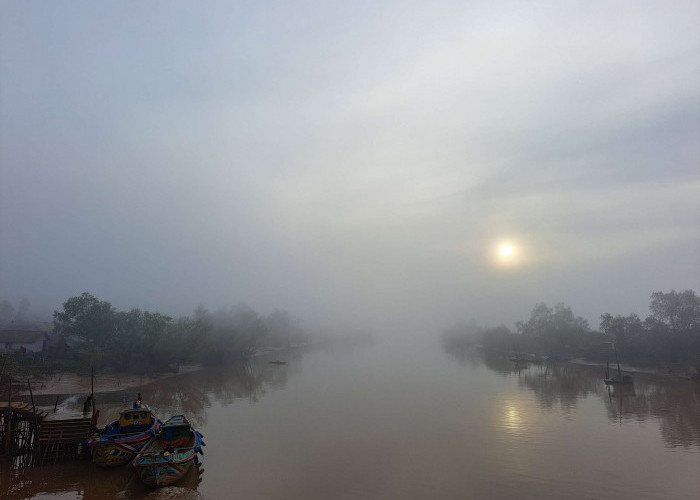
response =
{"points": [[408, 421]]}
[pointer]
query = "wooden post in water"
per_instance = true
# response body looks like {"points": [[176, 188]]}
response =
{"points": [[8, 420], [619, 372], [92, 390], [36, 422]]}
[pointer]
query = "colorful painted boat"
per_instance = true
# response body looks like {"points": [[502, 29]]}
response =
{"points": [[167, 457], [120, 441]]}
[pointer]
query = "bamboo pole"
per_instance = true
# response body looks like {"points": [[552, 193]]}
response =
{"points": [[36, 422], [619, 372], [92, 390], [8, 420]]}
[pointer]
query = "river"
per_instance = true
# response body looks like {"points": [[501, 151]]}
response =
{"points": [[406, 421]]}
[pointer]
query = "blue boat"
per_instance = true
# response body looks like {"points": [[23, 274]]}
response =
{"points": [[120, 441], [167, 457]]}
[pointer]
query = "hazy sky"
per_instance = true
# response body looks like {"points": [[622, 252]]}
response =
{"points": [[351, 161]]}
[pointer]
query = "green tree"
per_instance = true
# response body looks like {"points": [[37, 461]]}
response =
{"points": [[499, 339], [630, 335], [88, 318], [144, 340], [195, 333], [282, 329], [674, 326], [679, 311], [160, 340], [236, 333], [555, 331], [461, 336], [125, 347], [671, 333]]}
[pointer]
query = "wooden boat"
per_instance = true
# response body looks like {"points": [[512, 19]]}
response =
{"points": [[621, 377], [624, 379], [119, 442], [168, 456], [528, 358]]}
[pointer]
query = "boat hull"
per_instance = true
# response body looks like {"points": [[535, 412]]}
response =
{"points": [[118, 453], [169, 455], [164, 471]]}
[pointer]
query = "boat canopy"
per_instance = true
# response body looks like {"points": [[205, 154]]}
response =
{"points": [[136, 417], [176, 427]]}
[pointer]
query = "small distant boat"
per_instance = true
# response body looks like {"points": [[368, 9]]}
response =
{"points": [[119, 441], [167, 457], [277, 362], [528, 358], [626, 379], [620, 378]]}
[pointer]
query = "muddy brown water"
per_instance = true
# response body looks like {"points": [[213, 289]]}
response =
{"points": [[407, 422]]}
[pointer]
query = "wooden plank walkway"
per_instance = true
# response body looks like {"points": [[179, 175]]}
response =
{"points": [[23, 409], [64, 431], [62, 436], [59, 436]]}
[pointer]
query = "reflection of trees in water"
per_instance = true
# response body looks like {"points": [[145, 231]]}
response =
{"points": [[557, 384], [680, 425], [473, 356], [19, 480], [468, 356], [250, 380], [192, 393], [188, 394], [502, 365], [674, 403]]}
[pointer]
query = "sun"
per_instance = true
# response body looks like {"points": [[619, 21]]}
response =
{"points": [[506, 250], [506, 253]]}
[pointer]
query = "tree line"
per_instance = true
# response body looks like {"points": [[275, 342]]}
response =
{"points": [[137, 340], [669, 334]]}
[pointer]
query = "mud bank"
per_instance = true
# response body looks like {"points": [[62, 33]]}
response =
{"points": [[71, 383]]}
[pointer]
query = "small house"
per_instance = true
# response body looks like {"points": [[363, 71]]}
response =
{"points": [[29, 341]]}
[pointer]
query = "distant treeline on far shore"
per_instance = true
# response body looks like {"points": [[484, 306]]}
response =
{"points": [[669, 334], [99, 335]]}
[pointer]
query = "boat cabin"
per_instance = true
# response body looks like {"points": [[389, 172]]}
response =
{"points": [[176, 432], [135, 418]]}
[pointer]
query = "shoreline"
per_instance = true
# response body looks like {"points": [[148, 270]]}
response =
{"points": [[665, 372], [62, 383]]}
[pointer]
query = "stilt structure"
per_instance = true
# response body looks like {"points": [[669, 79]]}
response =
{"points": [[18, 426], [48, 437], [62, 437]]}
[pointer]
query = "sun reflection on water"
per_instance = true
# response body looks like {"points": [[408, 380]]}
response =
{"points": [[511, 417]]}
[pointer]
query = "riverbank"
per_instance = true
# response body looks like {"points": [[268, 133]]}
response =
{"points": [[71, 383], [685, 373]]}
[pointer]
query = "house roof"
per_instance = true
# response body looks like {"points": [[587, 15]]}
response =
{"points": [[35, 326], [20, 336]]}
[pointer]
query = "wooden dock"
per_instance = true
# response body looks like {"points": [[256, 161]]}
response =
{"points": [[22, 408], [18, 423], [62, 436], [25, 429]]}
